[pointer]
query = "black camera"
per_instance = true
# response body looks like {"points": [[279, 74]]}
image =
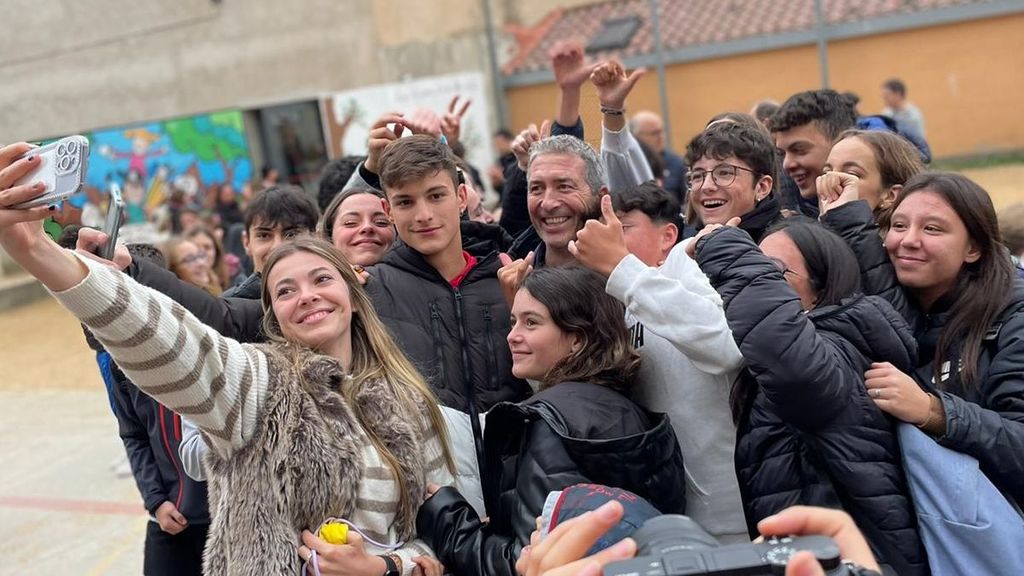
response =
{"points": [[673, 545]]}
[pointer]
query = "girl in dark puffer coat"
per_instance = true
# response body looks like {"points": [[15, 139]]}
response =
{"points": [[942, 265], [808, 433]]}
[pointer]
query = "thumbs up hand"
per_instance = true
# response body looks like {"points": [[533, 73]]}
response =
{"points": [[601, 244]]}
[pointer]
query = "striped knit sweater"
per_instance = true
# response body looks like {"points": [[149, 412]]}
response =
{"points": [[223, 387]]}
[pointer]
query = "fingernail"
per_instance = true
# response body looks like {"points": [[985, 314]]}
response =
{"points": [[622, 547], [606, 511], [38, 186], [52, 208]]}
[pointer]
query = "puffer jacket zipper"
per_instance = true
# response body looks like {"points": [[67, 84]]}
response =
{"points": [[435, 323]]}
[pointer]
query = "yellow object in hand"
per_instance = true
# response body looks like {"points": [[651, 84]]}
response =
{"points": [[334, 532]]}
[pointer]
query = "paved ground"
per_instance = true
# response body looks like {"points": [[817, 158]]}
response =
{"points": [[62, 508]]}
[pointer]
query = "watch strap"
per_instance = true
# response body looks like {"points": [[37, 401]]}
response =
{"points": [[393, 564]]}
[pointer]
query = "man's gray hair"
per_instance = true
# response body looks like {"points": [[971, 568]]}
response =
{"points": [[571, 145]]}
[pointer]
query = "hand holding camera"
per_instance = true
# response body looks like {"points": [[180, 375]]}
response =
{"points": [[801, 541]]}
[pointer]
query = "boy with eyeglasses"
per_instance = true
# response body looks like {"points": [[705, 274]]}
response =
{"points": [[732, 169]]}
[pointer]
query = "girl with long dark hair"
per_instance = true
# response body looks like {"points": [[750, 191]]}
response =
{"points": [[948, 273]]}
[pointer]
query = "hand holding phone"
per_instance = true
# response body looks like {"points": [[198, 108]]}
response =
{"points": [[61, 169], [112, 224]]}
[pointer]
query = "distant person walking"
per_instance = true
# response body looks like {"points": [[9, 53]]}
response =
{"points": [[908, 117]]}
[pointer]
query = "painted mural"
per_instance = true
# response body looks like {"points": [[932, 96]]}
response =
{"points": [[149, 160]]}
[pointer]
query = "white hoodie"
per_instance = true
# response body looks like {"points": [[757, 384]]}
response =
{"points": [[690, 361]]}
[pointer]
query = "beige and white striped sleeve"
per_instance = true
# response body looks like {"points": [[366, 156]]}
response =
{"points": [[434, 463], [214, 381]]}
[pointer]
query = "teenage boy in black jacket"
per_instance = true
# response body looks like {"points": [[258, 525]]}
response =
{"points": [[437, 290]]}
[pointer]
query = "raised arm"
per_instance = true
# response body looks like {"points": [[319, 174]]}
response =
{"points": [[853, 220], [182, 363], [620, 151], [189, 367], [571, 71]]}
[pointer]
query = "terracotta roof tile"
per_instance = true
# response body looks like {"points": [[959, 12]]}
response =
{"points": [[695, 22]]}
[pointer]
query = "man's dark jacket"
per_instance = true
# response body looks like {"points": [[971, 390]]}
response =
{"points": [[570, 433]]}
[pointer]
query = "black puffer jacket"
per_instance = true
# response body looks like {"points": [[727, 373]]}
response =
{"points": [[986, 422], [454, 336], [809, 433], [570, 433]]}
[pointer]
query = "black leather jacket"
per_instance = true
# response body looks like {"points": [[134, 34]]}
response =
{"points": [[567, 434]]}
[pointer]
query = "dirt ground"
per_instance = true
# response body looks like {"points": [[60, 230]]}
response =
{"points": [[1005, 184], [42, 348]]}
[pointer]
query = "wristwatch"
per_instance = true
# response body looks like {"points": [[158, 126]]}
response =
{"points": [[392, 563]]}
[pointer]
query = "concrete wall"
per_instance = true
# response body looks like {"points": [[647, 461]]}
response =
{"points": [[67, 66], [965, 78]]}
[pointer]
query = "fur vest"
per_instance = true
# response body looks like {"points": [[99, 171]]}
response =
{"points": [[302, 465]]}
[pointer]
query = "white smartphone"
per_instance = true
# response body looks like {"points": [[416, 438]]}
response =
{"points": [[111, 226], [62, 170]]}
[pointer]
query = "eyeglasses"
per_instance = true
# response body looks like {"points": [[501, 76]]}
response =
{"points": [[722, 175], [781, 266]]}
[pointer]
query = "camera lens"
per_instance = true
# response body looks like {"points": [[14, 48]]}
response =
{"points": [[670, 533]]}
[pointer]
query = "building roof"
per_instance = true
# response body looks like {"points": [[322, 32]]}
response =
{"points": [[686, 23]]}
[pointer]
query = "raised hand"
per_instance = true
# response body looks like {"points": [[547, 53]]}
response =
{"points": [[89, 240], [451, 123], [612, 83], [835, 189], [569, 64], [380, 136], [526, 139], [512, 273], [691, 248], [423, 121], [19, 229], [600, 246]]}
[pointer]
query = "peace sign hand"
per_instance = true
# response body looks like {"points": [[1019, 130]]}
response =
{"points": [[451, 123]]}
